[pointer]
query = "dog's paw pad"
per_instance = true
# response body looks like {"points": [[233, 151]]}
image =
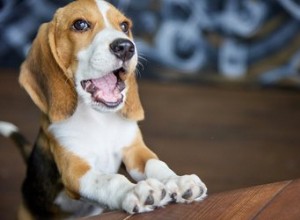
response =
{"points": [[149, 200], [145, 196], [187, 194], [185, 189]]}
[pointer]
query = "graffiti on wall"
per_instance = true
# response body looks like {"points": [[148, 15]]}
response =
{"points": [[233, 38]]}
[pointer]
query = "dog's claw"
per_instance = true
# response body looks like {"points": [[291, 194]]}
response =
{"points": [[163, 194], [173, 197], [135, 209], [149, 200], [188, 194]]}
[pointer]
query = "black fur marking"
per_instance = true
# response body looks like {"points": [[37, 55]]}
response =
{"points": [[42, 183]]}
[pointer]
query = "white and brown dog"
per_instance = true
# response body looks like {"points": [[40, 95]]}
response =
{"points": [[80, 72]]}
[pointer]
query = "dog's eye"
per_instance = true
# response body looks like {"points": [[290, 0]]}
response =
{"points": [[81, 25], [125, 27]]}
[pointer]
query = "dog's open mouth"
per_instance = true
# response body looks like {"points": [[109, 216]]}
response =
{"points": [[106, 89]]}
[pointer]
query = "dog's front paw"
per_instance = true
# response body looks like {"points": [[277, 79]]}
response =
{"points": [[145, 196], [185, 189]]}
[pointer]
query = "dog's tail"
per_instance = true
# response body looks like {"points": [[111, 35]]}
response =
{"points": [[11, 131]]}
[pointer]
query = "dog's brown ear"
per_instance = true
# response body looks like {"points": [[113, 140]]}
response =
{"points": [[133, 108], [45, 77]]}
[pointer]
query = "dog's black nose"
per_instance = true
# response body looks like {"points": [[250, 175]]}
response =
{"points": [[122, 48]]}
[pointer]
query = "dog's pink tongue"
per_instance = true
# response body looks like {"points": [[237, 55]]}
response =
{"points": [[107, 88]]}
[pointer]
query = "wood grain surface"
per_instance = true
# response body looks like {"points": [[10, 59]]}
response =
{"points": [[272, 201]]}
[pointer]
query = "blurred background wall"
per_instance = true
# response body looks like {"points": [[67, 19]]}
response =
{"points": [[253, 41]]}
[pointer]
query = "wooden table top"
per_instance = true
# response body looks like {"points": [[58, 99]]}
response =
{"points": [[271, 201]]}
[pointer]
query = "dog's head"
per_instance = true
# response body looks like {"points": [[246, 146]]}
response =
{"points": [[86, 53]]}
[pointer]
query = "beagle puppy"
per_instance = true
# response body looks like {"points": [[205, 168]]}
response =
{"points": [[80, 72]]}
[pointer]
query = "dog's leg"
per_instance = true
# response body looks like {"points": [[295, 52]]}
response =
{"points": [[141, 163], [181, 189], [113, 191]]}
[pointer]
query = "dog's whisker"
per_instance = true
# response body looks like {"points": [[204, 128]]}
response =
{"points": [[140, 63], [141, 57], [138, 73]]}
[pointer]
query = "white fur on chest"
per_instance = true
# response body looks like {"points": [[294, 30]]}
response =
{"points": [[96, 137]]}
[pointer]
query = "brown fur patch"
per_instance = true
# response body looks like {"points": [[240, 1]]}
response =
{"points": [[46, 83], [133, 108], [71, 168], [69, 42], [48, 71], [136, 156], [115, 18]]}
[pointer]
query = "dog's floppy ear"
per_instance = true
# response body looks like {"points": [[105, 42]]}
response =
{"points": [[133, 108], [46, 79]]}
